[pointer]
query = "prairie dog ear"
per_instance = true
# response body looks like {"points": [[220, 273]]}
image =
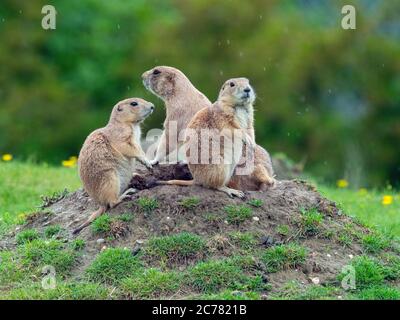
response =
{"points": [[119, 108]]}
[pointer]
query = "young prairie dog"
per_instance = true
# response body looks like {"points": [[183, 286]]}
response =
{"points": [[182, 101], [229, 114], [107, 158]]}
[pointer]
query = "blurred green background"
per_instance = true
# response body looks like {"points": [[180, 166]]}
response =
{"points": [[327, 95]]}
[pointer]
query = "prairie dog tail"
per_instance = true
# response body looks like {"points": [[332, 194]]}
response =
{"points": [[93, 216], [177, 182]]}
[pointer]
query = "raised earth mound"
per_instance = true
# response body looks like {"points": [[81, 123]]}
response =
{"points": [[191, 242]]}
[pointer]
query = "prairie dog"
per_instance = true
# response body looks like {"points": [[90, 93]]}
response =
{"points": [[107, 158], [182, 101], [230, 113]]}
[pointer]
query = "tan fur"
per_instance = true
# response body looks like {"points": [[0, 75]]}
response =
{"points": [[107, 158], [229, 113], [182, 101]]}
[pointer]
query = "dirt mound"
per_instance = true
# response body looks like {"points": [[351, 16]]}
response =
{"points": [[291, 212]]}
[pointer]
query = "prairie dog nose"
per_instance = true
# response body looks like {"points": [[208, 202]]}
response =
{"points": [[247, 90], [152, 107]]}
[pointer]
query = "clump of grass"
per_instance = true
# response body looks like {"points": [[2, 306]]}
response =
{"points": [[213, 218], [190, 203], [52, 231], [112, 265], [378, 293], [257, 203], [64, 291], [244, 240], [238, 214], [284, 256], [375, 242], [368, 272], [27, 235], [293, 290], [283, 229], [77, 244], [152, 283], [231, 295], [148, 205], [39, 253], [125, 217], [212, 276], [177, 247], [392, 266], [310, 221], [102, 224], [11, 270]]}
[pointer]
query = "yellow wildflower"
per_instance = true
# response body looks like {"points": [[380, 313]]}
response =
{"points": [[73, 158], [387, 200], [7, 157], [342, 183], [68, 163]]}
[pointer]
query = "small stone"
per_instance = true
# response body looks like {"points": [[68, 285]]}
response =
{"points": [[339, 297], [103, 248], [136, 249], [328, 255], [351, 256], [226, 222], [17, 228], [100, 241], [168, 218], [256, 219], [315, 280], [139, 241]]}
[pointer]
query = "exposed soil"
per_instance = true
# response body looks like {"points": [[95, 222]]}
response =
{"points": [[282, 205]]}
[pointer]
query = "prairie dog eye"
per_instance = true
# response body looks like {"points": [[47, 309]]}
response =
{"points": [[232, 84], [134, 104], [156, 71]]}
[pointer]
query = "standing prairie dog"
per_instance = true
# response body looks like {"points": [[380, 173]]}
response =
{"points": [[230, 114], [182, 101], [107, 158]]}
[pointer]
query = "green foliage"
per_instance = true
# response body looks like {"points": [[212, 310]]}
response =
{"points": [[244, 240], [152, 283], [102, 224], [256, 203], [63, 290], [27, 235], [52, 231], [284, 256], [378, 293], [126, 217], [11, 269], [178, 247], [148, 205], [39, 253], [292, 290], [230, 295], [375, 242], [213, 276], [78, 244], [190, 203], [112, 265], [367, 271], [283, 229], [310, 221], [238, 213]]}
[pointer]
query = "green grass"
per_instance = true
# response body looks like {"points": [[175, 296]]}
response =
{"points": [[310, 221], [238, 214], [27, 235], [284, 256], [52, 231], [102, 224], [178, 247], [148, 205], [112, 265], [378, 293], [190, 203], [152, 283], [367, 206], [22, 184], [257, 203]]}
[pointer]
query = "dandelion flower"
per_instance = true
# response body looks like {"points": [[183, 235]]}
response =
{"points": [[68, 163], [387, 200], [7, 157], [342, 183]]}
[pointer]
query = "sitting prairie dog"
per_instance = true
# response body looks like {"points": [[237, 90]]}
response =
{"points": [[107, 158], [229, 113], [182, 101]]}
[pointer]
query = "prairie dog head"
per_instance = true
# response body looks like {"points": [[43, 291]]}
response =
{"points": [[132, 110], [237, 92], [165, 81]]}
